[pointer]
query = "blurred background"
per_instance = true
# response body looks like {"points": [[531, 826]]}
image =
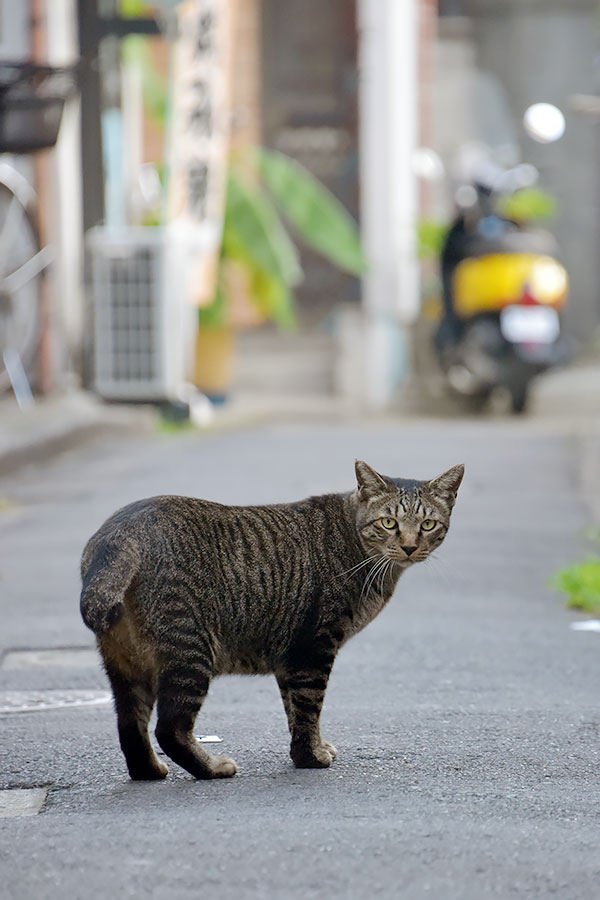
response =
{"points": [[249, 201]]}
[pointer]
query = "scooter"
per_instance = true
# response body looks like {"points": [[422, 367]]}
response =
{"points": [[504, 291]]}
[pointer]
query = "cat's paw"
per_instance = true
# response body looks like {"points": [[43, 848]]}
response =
{"points": [[222, 767], [306, 757], [330, 749], [154, 772]]}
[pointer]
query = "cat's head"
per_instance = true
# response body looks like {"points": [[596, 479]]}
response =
{"points": [[402, 519]]}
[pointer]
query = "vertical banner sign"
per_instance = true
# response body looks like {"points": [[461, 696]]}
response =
{"points": [[198, 144]]}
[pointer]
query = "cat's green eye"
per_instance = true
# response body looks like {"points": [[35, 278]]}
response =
{"points": [[388, 523], [428, 524]]}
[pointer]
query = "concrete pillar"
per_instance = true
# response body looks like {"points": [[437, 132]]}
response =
{"points": [[67, 200], [388, 136]]}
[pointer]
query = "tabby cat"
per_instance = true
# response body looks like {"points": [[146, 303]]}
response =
{"points": [[179, 590]]}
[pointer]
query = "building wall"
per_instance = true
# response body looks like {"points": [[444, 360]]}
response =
{"points": [[14, 30], [310, 112], [545, 50], [246, 73]]}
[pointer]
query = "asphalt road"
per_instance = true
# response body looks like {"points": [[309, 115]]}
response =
{"points": [[467, 716]]}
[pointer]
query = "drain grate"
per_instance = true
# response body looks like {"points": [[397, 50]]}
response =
{"points": [[64, 657], [22, 802], [40, 701]]}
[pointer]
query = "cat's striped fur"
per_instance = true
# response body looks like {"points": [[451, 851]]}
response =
{"points": [[179, 590]]}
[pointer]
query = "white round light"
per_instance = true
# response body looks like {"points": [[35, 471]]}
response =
{"points": [[465, 196], [427, 164], [544, 122]]}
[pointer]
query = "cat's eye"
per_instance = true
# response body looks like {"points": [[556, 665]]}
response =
{"points": [[388, 523], [428, 524]]}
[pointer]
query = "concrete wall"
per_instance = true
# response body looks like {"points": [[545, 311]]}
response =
{"points": [[14, 30], [544, 50]]}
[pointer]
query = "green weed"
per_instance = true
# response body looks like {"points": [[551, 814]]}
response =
{"points": [[168, 427], [581, 583]]}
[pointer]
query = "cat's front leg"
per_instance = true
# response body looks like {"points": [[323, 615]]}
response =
{"points": [[302, 693]]}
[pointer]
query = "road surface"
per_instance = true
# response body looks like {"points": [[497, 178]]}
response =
{"points": [[467, 716]]}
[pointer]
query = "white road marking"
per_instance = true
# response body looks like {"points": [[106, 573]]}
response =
{"points": [[40, 701], [22, 802], [68, 658]]}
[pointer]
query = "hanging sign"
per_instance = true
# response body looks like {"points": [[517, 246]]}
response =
{"points": [[198, 141]]}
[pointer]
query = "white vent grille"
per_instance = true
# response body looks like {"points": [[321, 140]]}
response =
{"points": [[139, 337]]}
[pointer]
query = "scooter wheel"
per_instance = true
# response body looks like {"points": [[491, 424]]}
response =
{"points": [[476, 403], [519, 397]]}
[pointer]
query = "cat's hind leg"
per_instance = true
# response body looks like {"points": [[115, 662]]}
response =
{"points": [[129, 664], [134, 700], [181, 692]]}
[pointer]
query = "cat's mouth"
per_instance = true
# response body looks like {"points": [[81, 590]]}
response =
{"points": [[404, 561]]}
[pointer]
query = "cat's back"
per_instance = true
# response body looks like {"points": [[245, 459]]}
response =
{"points": [[168, 511], [179, 521], [150, 512]]}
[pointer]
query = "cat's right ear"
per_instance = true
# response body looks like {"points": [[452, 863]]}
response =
{"points": [[368, 480]]}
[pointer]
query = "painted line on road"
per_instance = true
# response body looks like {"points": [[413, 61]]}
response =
{"points": [[22, 802], [40, 701], [586, 625], [51, 657]]}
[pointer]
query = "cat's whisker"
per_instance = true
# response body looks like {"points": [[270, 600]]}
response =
{"points": [[389, 569], [383, 575], [369, 573], [370, 579], [372, 576], [358, 566], [365, 582], [447, 569]]}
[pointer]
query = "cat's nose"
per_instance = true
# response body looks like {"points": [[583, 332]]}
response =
{"points": [[409, 550]]}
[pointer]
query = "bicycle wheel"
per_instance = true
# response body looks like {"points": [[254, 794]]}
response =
{"points": [[21, 264]]}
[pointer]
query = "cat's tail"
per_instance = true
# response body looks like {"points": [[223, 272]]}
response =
{"points": [[108, 567]]}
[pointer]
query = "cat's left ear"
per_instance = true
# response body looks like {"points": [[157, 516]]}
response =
{"points": [[449, 482]]}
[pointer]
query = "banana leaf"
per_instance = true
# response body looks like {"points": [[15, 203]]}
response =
{"points": [[253, 227], [317, 215], [216, 314], [274, 299], [131, 9], [269, 293]]}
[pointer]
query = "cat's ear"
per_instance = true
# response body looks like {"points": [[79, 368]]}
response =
{"points": [[449, 482], [368, 480]]}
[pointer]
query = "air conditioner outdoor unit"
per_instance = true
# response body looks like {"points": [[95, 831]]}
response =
{"points": [[143, 324]]}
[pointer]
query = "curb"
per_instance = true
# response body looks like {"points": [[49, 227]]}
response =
{"points": [[42, 449], [589, 474], [53, 427]]}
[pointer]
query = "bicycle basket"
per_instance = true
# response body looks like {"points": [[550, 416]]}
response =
{"points": [[32, 98]]}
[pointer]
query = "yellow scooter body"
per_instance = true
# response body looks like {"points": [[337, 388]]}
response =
{"points": [[489, 283]]}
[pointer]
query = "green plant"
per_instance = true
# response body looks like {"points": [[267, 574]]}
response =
{"points": [[264, 187], [431, 235], [528, 205], [581, 583]]}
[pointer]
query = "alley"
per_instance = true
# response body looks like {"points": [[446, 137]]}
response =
{"points": [[467, 716]]}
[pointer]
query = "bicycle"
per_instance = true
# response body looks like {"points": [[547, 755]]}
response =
{"points": [[32, 98]]}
